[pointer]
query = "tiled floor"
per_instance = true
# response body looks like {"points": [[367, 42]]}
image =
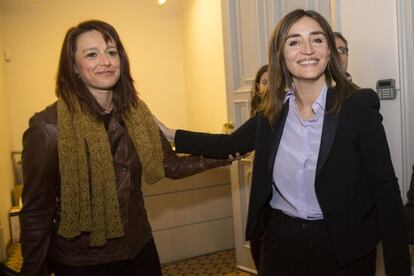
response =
{"points": [[219, 263], [14, 260]]}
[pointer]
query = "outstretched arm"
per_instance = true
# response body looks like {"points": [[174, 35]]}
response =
{"points": [[181, 166], [242, 141], [221, 146]]}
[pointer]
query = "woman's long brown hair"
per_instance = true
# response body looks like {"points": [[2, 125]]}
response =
{"points": [[70, 87], [280, 79]]}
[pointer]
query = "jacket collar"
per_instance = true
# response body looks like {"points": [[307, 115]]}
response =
{"points": [[330, 126], [277, 131]]}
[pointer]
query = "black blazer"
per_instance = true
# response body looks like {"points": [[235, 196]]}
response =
{"points": [[355, 181], [409, 210]]}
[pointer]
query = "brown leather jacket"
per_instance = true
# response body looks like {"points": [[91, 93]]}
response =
{"points": [[39, 217]]}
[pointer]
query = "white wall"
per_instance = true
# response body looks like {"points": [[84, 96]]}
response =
{"points": [[370, 27]]}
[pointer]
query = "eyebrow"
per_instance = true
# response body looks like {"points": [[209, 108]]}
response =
{"points": [[95, 48], [311, 33]]}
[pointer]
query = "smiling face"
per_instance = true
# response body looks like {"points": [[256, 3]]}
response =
{"points": [[97, 61], [306, 52]]}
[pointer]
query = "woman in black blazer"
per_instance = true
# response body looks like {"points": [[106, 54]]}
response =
{"points": [[322, 163]]}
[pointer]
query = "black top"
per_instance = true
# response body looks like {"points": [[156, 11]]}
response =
{"points": [[106, 117]]}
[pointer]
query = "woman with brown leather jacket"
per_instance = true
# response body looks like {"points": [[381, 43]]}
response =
{"points": [[83, 158]]}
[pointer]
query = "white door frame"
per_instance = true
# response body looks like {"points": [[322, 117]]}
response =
{"points": [[406, 63]]}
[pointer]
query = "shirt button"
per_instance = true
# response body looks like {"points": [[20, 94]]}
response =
{"points": [[124, 168]]}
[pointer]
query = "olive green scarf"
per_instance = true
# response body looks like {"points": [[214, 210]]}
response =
{"points": [[88, 197]]}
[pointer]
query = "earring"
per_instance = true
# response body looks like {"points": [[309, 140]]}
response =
{"points": [[331, 79]]}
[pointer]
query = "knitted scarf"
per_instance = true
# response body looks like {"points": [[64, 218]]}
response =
{"points": [[88, 197]]}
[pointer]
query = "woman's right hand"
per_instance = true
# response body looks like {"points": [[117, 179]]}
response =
{"points": [[168, 132]]}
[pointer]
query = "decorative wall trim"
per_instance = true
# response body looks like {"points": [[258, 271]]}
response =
{"points": [[190, 224], [241, 112], [184, 190], [243, 90], [240, 66]]}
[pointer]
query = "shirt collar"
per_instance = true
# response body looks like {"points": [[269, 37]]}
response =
{"points": [[320, 102]]}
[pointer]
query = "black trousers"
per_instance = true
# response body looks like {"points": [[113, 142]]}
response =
{"points": [[146, 263], [297, 247], [255, 249], [257, 239]]}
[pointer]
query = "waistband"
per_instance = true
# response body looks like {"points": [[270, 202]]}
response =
{"points": [[304, 223]]}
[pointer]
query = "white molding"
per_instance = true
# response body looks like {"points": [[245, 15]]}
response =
{"points": [[334, 6], [230, 57], [244, 184], [241, 112], [184, 190], [243, 78], [405, 37], [261, 21], [244, 89], [240, 63], [276, 6], [192, 223]]}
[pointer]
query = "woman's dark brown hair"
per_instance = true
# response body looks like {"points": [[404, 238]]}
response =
{"points": [[280, 78], [70, 87], [341, 37], [255, 97]]}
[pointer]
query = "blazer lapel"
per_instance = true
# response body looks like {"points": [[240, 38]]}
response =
{"points": [[330, 125], [277, 130]]}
